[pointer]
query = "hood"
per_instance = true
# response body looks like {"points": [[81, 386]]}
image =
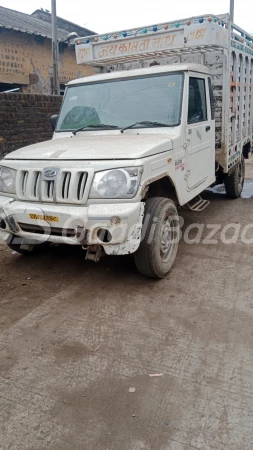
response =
{"points": [[120, 146]]}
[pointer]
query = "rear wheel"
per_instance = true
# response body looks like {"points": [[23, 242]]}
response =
{"points": [[158, 249], [235, 181]]}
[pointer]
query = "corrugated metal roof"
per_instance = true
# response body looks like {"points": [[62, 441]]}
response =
{"points": [[18, 21], [64, 24]]}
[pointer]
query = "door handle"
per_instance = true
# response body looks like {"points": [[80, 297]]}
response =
{"points": [[208, 128]]}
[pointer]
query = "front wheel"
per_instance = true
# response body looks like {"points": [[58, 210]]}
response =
{"points": [[158, 249], [235, 181]]}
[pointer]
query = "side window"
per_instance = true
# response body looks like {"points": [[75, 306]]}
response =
{"points": [[211, 98], [197, 111]]}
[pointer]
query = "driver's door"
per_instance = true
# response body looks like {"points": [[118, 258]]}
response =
{"points": [[199, 133]]}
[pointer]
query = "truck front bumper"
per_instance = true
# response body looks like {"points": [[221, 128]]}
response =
{"points": [[117, 227]]}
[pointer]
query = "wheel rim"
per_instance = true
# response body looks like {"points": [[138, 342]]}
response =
{"points": [[166, 243]]}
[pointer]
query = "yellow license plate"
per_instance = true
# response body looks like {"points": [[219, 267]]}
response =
{"points": [[46, 218]]}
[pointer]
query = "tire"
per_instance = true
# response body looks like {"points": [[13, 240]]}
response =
{"points": [[154, 258], [17, 247], [235, 181]]}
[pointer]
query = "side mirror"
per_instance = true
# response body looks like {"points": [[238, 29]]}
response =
{"points": [[53, 121]]}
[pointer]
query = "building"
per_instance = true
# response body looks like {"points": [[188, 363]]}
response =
{"points": [[64, 24], [26, 52]]}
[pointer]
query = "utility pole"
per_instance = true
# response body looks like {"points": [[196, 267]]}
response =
{"points": [[56, 84], [232, 10]]}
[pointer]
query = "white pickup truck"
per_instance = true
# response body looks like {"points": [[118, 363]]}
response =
{"points": [[168, 113]]}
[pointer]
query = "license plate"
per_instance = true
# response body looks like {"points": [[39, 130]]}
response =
{"points": [[46, 218]]}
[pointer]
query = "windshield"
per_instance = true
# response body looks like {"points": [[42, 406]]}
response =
{"points": [[123, 102]]}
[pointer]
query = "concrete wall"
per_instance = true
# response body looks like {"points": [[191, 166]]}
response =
{"points": [[27, 60], [24, 119]]}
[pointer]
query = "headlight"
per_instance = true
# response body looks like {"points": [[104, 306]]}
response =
{"points": [[116, 183], [7, 180]]}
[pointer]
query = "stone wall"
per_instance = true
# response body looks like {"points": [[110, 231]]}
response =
{"points": [[24, 119]]}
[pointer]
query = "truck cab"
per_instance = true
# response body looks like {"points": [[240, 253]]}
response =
{"points": [[169, 104]]}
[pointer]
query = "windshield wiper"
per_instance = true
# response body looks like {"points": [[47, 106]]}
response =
{"points": [[98, 125], [147, 123]]}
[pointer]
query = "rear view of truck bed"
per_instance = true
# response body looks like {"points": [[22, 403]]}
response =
{"points": [[212, 41]]}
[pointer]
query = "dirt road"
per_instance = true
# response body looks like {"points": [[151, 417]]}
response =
{"points": [[77, 336]]}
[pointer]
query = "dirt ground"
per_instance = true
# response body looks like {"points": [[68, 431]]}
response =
{"points": [[79, 342]]}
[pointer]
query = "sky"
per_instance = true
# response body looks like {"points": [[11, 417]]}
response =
{"points": [[104, 16]]}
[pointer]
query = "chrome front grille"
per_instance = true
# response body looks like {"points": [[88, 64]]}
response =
{"points": [[36, 183], [48, 190], [61, 186], [24, 181], [81, 185], [66, 185]]}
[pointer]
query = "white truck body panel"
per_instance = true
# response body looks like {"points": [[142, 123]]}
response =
{"points": [[94, 147], [137, 72]]}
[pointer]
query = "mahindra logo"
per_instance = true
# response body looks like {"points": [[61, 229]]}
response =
{"points": [[50, 173]]}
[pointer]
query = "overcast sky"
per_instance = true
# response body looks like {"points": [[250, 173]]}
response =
{"points": [[112, 15]]}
